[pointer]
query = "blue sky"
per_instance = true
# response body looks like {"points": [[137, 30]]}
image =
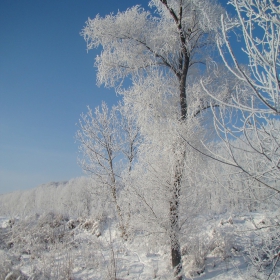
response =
{"points": [[46, 81]]}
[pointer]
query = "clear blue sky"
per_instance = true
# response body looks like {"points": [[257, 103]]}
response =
{"points": [[46, 81]]}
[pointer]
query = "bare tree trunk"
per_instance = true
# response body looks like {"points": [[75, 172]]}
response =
{"points": [[174, 238], [174, 204], [174, 221], [119, 211]]}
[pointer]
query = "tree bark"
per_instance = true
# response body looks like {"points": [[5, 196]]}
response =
{"points": [[176, 257], [174, 204], [174, 221]]}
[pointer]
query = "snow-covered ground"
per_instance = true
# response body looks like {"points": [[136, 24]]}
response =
{"points": [[46, 233], [55, 247]]}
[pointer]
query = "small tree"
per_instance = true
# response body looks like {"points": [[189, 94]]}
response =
{"points": [[107, 140]]}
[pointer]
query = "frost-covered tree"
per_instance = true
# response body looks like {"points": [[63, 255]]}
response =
{"points": [[164, 43], [256, 99], [108, 141], [251, 133]]}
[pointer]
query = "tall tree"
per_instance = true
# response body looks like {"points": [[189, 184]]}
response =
{"points": [[166, 43]]}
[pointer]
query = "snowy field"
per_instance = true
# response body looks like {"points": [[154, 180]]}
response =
{"points": [[56, 246]]}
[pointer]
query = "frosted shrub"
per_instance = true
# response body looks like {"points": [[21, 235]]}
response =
{"points": [[5, 265], [32, 236], [218, 244], [57, 264], [92, 226], [196, 256], [195, 253], [223, 244], [7, 271], [264, 251], [52, 219]]}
